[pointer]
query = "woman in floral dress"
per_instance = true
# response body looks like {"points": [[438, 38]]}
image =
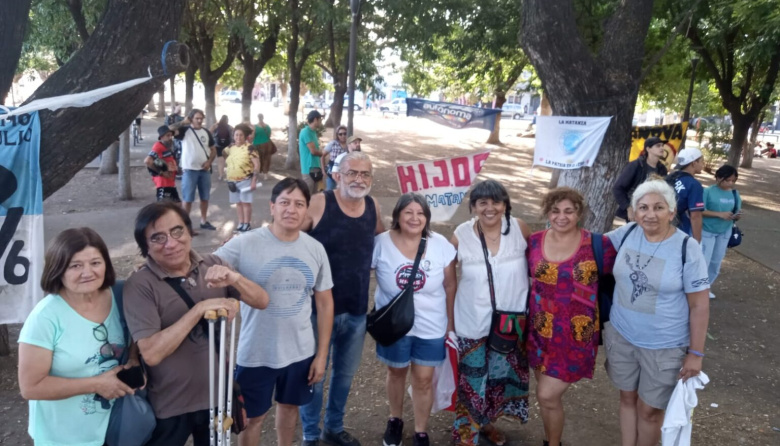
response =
{"points": [[563, 328]]}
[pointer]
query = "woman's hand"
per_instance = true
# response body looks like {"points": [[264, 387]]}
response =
{"points": [[691, 366], [725, 215], [110, 387]]}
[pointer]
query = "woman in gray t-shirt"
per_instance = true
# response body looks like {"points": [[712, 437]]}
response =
{"points": [[660, 311]]}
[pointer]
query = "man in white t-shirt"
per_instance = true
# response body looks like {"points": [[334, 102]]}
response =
{"points": [[197, 153]]}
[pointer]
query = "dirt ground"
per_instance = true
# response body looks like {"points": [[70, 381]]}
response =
{"points": [[740, 406]]}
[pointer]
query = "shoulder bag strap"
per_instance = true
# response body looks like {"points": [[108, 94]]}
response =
{"points": [[489, 269], [199, 142], [625, 236], [175, 283], [734, 192], [598, 252], [684, 251], [117, 291], [417, 258]]}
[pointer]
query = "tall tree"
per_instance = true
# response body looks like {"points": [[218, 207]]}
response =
{"points": [[258, 35], [14, 16], [599, 77], [739, 45], [303, 40], [205, 24]]}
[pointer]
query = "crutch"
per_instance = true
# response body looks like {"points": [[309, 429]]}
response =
{"points": [[231, 365], [211, 316], [222, 315]]}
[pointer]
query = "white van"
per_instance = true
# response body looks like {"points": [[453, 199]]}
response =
{"points": [[515, 111]]}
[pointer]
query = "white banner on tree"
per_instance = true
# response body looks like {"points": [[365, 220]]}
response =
{"points": [[568, 142], [443, 182], [21, 217]]}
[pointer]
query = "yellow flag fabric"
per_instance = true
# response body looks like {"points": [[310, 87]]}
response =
{"points": [[670, 132]]}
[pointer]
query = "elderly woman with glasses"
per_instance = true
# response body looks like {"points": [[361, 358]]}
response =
{"points": [[70, 345], [334, 149]]}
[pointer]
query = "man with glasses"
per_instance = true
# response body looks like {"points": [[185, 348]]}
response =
{"points": [[164, 305], [345, 222]]}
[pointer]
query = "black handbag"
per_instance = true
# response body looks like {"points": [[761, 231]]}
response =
{"points": [[736, 233], [506, 327], [390, 323]]}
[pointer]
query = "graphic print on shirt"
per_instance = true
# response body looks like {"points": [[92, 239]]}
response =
{"points": [[103, 364], [645, 279], [403, 272], [289, 283]]}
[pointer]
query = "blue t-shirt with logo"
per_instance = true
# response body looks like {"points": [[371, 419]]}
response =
{"points": [[690, 198]]}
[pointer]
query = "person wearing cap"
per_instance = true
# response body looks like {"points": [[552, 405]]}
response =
{"points": [[353, 145], [162, 165], [690, 193], [310, 153], [650, 162]]}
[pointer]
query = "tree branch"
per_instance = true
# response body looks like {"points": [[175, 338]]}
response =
{"points": [[74, 6]]}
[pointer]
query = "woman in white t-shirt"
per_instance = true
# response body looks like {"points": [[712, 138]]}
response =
{"points": [[434, 294], [491, 384]]}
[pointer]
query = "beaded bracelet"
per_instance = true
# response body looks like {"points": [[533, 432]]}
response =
{"points": [[696, 353]]}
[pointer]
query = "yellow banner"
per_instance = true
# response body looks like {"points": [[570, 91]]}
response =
{"points": [[670, 132]]}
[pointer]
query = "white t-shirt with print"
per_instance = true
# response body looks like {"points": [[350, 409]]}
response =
{"points": [[195, 148], [430, 300]]}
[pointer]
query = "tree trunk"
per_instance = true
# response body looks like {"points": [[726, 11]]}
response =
{"points": [[293, 159], [603, 84], [750, 147], [189, 87], [109, 159], [247, 85], [151, 107], [125, 188], [173, 93], [337, 109], [5, 341], [161, 97], [210, 95], [741, 125], [494, 135], [253, 67], [14, 16], [127, 40]]}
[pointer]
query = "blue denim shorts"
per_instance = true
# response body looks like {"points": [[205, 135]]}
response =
{"points": [[195, 179], [411, 349]]}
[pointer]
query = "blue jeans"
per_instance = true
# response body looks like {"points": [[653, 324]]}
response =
{"points": [[346, 350], [330, 183], [714, 247]]}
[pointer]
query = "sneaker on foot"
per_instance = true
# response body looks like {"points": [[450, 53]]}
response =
{"points": [[421, 439], [310, 443], [712, 296], [342, 438], [208, 226], [394, 432]]}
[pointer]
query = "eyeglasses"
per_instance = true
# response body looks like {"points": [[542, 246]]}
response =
{"points": [[342, 134], [101, 335], [353, 174], [161, 238]]}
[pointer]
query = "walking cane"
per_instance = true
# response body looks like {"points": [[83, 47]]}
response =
{"points": [[211, 316], [222, 315], [231, 365]]}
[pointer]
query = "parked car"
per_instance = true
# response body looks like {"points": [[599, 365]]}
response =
{"points": [[397, 106], [515, 111], [346, 105], [230, 96]]}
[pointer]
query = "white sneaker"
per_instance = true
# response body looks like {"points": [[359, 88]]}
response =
{"points": [[712, 296]]}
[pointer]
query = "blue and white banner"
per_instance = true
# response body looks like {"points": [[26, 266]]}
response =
{"points": [[21, 216], [568, 142], [453, 115], [443, 182]]}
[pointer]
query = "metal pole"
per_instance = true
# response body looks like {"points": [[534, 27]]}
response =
{"points": [[355, 6], [687, 114]]}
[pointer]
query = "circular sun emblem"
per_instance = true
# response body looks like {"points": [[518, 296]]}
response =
{"points": [[570, 140]]}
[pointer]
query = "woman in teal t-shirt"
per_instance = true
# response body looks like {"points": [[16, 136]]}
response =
{"points": [[722, 207], [70, 345]]}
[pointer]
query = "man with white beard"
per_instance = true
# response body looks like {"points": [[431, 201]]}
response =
{"points": [[345, 221]]}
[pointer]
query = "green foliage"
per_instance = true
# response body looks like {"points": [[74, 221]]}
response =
{"points": [[716, 149]]}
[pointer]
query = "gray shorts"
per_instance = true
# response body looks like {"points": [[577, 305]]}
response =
{"points": [[651, 373], [241, 197]]}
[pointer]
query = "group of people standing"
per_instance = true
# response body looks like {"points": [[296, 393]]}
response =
{"points": [[239, 162]]}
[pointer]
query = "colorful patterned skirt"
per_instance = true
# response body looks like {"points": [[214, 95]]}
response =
{"points": [[490, 385]]}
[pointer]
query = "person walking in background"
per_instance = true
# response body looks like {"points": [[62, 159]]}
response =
{"points": [[310, 153], [332, 151], [650, 162], [223, 137], [660, 312], [243, 167], [71, 344], [434, 294], [491, 384], [722, 207], [263, 144], [162, 164], [198, 153], [345, 222], [563, 312], [690, 193]]}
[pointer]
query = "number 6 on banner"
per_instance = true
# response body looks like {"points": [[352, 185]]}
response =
{"points": [[8, 186]]}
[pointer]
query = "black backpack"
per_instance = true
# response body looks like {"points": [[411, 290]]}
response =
{"points": [[223, 136]]}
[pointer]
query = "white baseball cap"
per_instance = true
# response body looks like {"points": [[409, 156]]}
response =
{"points": [[687, 156]]}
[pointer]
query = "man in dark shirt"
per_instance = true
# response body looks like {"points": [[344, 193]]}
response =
{"points": [[345, 221], [690, 193]]}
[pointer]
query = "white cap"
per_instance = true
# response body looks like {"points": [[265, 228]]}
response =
{"points": [[687, 156]]}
